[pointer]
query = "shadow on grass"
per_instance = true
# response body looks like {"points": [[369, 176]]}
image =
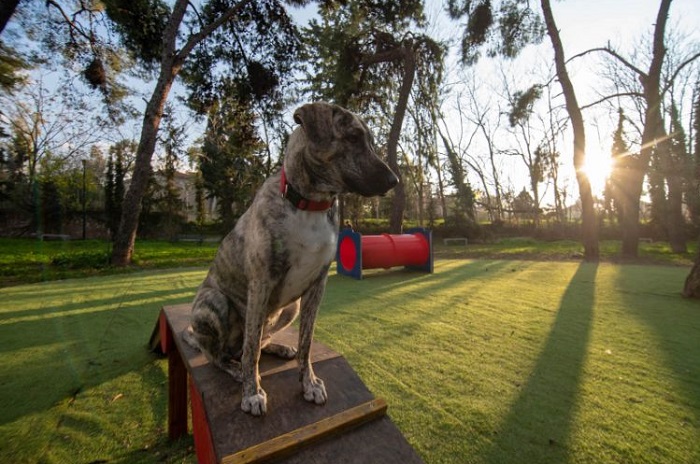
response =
{"points": [[675, 325], [538, 426], [53, 351], [399, 315]]}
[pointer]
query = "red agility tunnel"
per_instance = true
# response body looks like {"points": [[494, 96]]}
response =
{"points": [[356, 252]]}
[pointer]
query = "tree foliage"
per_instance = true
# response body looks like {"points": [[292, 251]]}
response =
{"points": [[499, 30], [232, 162], [364, 56]]}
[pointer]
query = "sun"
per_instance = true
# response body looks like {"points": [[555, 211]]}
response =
{"points": [[597, 167]]}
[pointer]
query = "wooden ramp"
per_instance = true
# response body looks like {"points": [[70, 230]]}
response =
{"points": [[351, 427]]}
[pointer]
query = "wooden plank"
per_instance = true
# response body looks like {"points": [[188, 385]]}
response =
{"points": [[177, 390], [292, 441]]}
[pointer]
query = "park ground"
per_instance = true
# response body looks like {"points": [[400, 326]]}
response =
{"points": [[518, 354]]}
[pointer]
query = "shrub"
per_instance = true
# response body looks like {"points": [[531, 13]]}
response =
{"points": [[81, 260]]}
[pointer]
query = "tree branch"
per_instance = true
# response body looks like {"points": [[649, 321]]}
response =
{"points": [[614, 54], [195, 39], [610, 97], [71, 24], [678, 70], [382, 57]]}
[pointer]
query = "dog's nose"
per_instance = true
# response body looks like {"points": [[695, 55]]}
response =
{"points": [[392, 180]]}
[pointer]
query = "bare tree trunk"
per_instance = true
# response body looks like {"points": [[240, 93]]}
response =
{"points": [[441, 185], [494, 172], [588, 216], [171, 63], [399, 192], [652, 134], [676, 221], [123, 246], [7, 8], [691, 289]]}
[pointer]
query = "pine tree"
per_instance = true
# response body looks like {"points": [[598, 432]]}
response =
{"points": [[114, 184], [615, 182], [109, 194], [675, 163]]}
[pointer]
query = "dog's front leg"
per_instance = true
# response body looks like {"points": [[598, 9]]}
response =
{"points": [[254, 398], [313, 387]]}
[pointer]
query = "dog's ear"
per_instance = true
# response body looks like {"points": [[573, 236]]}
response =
{"points": [[317, 121]]}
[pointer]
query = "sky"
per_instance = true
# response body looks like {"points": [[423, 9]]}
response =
{"points": [[584, 25]]}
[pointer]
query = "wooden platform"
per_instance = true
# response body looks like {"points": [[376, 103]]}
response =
{"points": [[350, 428]]}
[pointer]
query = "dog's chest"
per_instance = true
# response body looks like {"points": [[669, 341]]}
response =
{"points": [[311, 245]]}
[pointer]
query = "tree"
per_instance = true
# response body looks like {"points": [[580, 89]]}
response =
{"points": [[618, 156], [232, 159], [170, 202], [7, 9], [693, 170], [674, 164], [121, 155], [476, 111], [11, 62], [45, 124], [366, 42], [262, 24], [521, 106], [691, 288], [588, 215], [654, 138]]}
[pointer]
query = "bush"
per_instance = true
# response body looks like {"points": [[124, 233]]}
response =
{"points": [[82, 260]]}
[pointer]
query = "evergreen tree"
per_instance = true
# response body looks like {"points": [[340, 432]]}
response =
{"points": [[199, 198], [232, 163], [170, 202], [657, 195], [618, 154], [114, 184], [109, 194], [676, 160]]}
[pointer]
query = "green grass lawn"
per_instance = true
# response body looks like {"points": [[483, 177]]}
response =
{"points": [[28, 260], [484, 361]]}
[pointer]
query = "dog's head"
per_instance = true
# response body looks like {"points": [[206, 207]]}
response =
{"points": [[339, 148]]}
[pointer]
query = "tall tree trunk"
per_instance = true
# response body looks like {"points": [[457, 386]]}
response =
{"points": [[652, 134], [589, 223], [171, 63], [399, 203], [691, 289], [123, 246], [629, 193], [674, 208], [7, 9]]}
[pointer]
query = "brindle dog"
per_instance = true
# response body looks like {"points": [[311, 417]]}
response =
{"points": [[273, 265]]}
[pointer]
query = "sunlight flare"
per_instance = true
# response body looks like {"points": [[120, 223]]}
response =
{"points": [[597, 167]]}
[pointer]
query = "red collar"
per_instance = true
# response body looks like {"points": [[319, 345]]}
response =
{"points": [[298, 200]]}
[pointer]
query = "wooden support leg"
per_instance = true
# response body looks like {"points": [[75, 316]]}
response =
{"points": [[203, 441], [177, 389]]}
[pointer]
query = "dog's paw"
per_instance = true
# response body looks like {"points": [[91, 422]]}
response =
{"points": [[255, 404], [232, 367], [315, 391], [281, 351]]}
